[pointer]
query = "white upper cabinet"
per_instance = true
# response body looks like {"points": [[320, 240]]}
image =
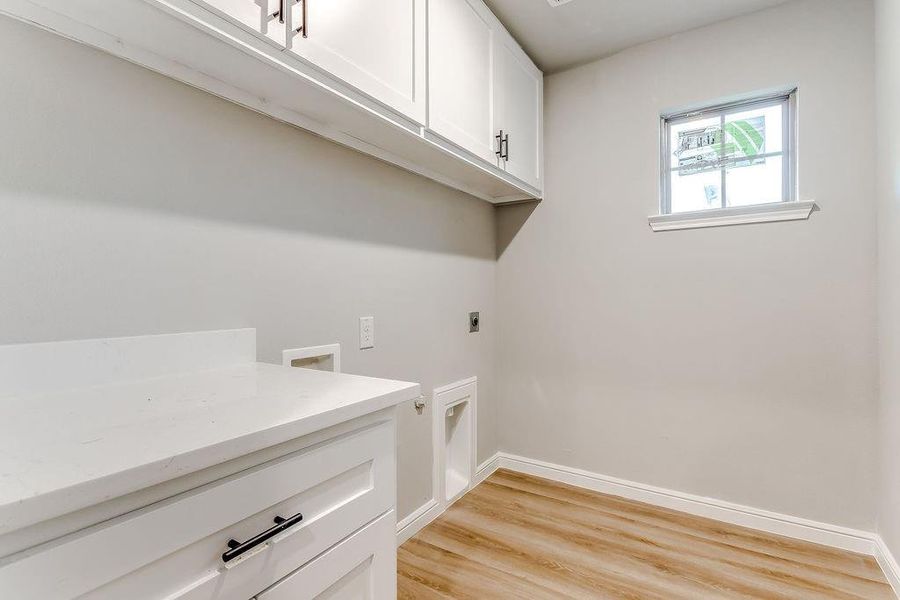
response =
{"points": [[261, 16], [481, 84], [376, 46], [459, 75], [518, 110], [426, 85]]}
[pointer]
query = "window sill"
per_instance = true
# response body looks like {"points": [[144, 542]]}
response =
{"points": [[739, 215]]}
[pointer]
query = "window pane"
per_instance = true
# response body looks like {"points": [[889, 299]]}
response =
{"points": [[697, 191], [728, 156], [694, 145], [757, 183], [752, 132]]}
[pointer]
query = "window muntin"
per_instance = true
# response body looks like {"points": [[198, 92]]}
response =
{"points": [[739, 154]]}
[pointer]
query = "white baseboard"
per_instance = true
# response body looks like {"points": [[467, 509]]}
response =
{"points": [[417, 520], [888, 564], [431, 510], [486, 469], [836, 536]]}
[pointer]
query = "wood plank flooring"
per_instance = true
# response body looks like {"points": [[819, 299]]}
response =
{"points": [[516, 536]]}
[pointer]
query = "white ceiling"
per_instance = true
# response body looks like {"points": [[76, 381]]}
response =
{"points": [[583, 30]]}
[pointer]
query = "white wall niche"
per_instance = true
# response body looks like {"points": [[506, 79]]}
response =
{"points": [[319, 358], [455, 439]]}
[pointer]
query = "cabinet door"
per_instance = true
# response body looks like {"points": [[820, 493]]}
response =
{"points": [[459, 75], [518, 108], [377, 47], [260, 16]]}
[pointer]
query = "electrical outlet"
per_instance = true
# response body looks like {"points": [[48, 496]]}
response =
{"points": [[366, 333], [474, 322]]}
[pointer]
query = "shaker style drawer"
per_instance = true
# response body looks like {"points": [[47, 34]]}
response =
{"points": [[363, 566], [176, 549]]}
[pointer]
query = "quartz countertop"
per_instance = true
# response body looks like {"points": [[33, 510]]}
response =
{"points": [[63, 451]]}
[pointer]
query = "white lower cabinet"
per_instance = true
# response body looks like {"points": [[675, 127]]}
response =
{"points": [[335, 501], [362, 567]]}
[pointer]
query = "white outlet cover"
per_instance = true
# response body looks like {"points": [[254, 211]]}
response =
{"points": [[366, 333]]}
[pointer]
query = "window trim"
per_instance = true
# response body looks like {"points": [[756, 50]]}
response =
{"points": [[787, 98], [735, 215]]}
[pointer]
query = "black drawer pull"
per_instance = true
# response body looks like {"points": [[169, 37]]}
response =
{"points": [[237, 548]]}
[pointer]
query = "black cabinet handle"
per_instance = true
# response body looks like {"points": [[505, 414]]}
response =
{"points": [[236, 548], [502, 145]]}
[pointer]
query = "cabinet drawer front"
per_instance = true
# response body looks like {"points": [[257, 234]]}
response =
{"points": [[338, 486], [362, 567]]}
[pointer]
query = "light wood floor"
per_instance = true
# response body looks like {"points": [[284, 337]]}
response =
{"points": [[521, 537]]}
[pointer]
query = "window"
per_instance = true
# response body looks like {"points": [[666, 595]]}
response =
{"points": [[729, 156]]}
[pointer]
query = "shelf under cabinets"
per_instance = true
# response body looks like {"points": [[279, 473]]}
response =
{"points": [[186, 42]]}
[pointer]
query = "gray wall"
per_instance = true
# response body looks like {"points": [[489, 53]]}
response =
{"points": [[887, 21], [131, 204], [737, 363]]}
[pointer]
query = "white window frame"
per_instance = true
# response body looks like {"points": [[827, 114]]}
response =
{"points": [[788, 209]]}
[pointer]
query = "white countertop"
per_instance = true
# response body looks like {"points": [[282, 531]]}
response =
{"points": [[62, 451]]}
